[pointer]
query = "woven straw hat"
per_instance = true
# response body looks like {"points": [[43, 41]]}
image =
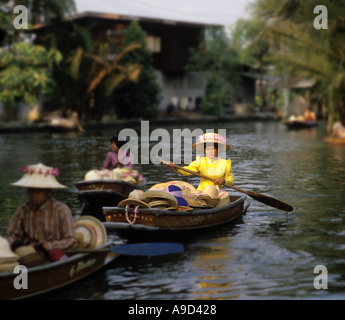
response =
{"points": [[29, 257], [8, 267], [211, 138], [159, 194], [182, 184], [39, 176], [177, 193], [211, 191], [135, 194], [133, 202], [6, 254], [90, 232], [193, 200], [92, 175], [25, 250], [116, 174]]}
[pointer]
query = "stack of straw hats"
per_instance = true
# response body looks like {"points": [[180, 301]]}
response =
{"points": [[8, 259], [158, 199], [176, 195], [29, 257]]}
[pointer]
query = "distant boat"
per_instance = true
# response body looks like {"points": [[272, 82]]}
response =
{"points": [[335, 140], [99, 193], [59, 124], [295, 124]]}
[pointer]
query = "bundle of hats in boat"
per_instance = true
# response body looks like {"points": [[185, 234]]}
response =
{"points": [[124, 173], [177, 195], [23, 255]]}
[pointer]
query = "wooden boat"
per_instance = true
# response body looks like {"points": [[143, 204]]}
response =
{"points": [[102, 193], [300, 124], [54, 275], [153, 220], [59, 124], [335, 140]]}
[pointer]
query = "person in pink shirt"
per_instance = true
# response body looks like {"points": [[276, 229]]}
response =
{"points": [[117, 158]]}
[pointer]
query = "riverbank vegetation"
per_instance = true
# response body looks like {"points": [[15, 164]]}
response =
{"points": [[288, 38]]}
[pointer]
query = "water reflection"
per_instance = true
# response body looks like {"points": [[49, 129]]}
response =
{"points": [[269, 254]]}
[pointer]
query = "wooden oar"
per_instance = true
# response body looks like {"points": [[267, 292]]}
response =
{"points": [[137, 249], [257, 196]]}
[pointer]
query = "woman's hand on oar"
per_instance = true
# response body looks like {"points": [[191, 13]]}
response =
{"points": [[257, 196], [170, 165]]}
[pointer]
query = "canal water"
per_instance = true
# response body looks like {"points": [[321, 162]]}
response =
{"points": [[267, 254]]}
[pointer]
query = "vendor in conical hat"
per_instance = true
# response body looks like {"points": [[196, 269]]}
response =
{"points": [[211, 165], [42, 222]]}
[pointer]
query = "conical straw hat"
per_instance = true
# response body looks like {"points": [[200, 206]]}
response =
{"points": [[39, 176]]}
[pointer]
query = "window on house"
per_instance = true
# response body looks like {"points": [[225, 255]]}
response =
{"points": [[153, 43]]}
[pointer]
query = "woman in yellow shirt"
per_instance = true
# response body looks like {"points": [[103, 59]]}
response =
{"points": [[212, 166]]}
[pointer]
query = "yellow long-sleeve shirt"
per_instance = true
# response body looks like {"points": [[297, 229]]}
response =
{"points": [[218, 169]]}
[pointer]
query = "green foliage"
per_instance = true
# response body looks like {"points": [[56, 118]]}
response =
{"points": [[24, 73], [219, 62], [304, 51], [137, 99]]}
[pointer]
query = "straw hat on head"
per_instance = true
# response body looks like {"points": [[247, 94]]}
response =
{"points": [[211, 138], [90, 232], [39, 176]]}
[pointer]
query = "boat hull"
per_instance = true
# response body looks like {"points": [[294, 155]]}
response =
{"points": [[149, 220], [295, 125], [51, 276], [336, 140]]}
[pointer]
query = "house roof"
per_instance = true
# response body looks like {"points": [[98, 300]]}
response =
{"points": [[121, 17]]}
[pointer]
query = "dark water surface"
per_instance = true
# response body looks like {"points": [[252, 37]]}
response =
{"points": [[268, 254]]}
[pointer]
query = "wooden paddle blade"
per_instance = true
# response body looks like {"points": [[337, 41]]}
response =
{"points": [[148, 249], [275, 203]]}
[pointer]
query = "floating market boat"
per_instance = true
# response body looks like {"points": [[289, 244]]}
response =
{"points": [[299, 124], [54, 275], [99, 193], [335, 140], [131, 221]]}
